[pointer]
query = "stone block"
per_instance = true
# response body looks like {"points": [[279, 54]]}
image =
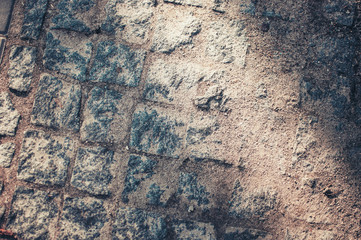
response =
{"points": [[172, 33], [44, 159], [5, 14], [33, 214], [9, 116], [92, 170], [233, 233], [339, 11], [106, 116], [157, 131], [227, 42], [117, 63], [67, 53], [82, 218], [33, 19], [129, 20], [22, 62], [185, 230], [137, 224], [7, 151], [56, 104]]}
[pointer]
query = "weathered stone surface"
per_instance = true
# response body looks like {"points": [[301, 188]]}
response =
{"points": [[5, 15], [44, 159], [196, 3], [137, 224], [248, 7], [56, 104], [214, 98], [2, 47], [306, 234], [129, 19], [255, 203], [174, 33], [117, 64], [105, 116], [185, 230], [2, 212], [67, 54], [75, 15], [233, 233], [22, 62], [92, 170], [82, 218], [33, 214], [33, 18], [157, 131], [227, 42], [9, 117], [7, 151], [340, 11]]}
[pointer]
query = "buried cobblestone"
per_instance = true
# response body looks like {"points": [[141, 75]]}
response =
{"points": [[137, 224], [22, 62], [7, 151], [9, 116], [33, 18], [44, 159], [82, 218], [185, 230], [56, 104], [92, 170], [33, 214], [117, 64]]}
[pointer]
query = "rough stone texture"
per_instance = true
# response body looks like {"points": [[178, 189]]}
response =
{"points": [[1, 186], [92, 170], [22, 62], [157, 131], [233, 233], [76, 15], [172, 33], [227, 42], [33, 214], [7, 151], [248, 7], [185, 230], [44, 159], [340, 11], [137, 224], [117, 64], [33, 18], [67, 54], [105, 116], [56, 104], [255, 203], [82, 218], [2, 212], [5, 15], [196, 3], [9, 117], [306, 234], [129, 19]]}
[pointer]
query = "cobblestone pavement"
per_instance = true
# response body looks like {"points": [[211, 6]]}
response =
{"points": [[180, 119]]}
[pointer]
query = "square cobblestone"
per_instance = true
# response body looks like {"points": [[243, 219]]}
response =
{"points": [[117, 64], [92, 170], [157, 131], [106, 116], [68, 54], [7, 151], [186, 230], [44, 159], [82, 218], [9, 116], [33, 18], [137, 224], [57, 104], [33, 214], [22, 62]]}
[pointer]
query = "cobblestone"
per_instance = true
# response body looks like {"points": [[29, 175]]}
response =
{"points": [[9, 116], [92, 170], [137, 224], [33, 214], [44, 159], [194, 230], [67, 54], [33, 18], [82, 218], [56, 104], [7, 151], [117, 64], [22, 62], [105, 116]]}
